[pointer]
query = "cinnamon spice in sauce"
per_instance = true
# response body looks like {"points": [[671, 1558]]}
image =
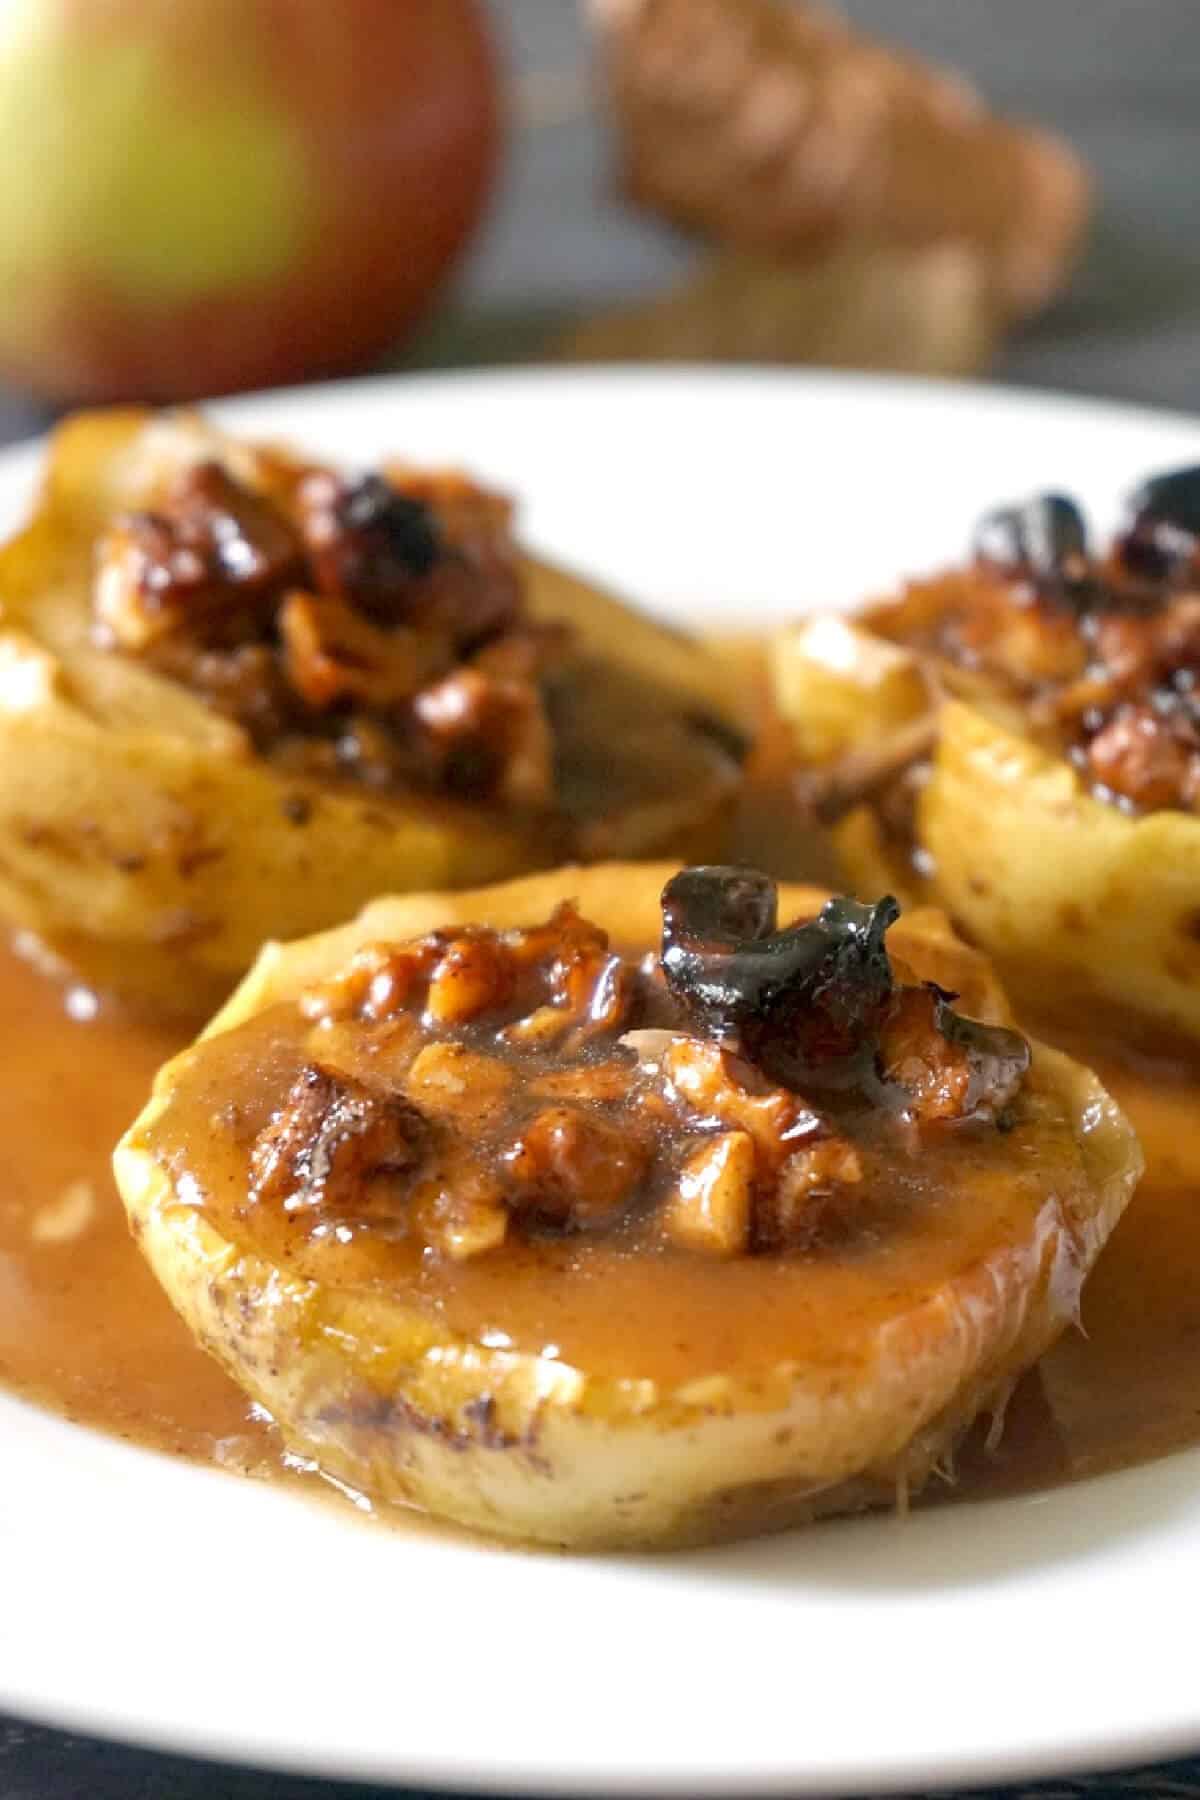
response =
{"points": [[85, 1330]]}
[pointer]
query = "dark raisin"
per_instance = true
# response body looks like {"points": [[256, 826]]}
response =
{"points": [[1044, 541], [1174, 498], [402, 530], [368, 544], [718, 902], [1163, 532], [811, 1006], [802, 1004]]}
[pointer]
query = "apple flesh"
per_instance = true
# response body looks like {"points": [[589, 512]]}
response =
{"points": [[203, 195]]}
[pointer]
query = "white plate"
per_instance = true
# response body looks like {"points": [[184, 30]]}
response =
{"points": [[154, 1601]]}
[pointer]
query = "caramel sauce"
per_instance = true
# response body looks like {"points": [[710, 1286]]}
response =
{"points": [[622, 1303], [85, 1330], [84, 1327], [1129, 1390]]}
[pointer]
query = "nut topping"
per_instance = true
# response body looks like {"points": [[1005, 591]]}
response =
{"points": [[206, 566], [333, 1144], [368, 629], [474, 1084], [1102, 649]]}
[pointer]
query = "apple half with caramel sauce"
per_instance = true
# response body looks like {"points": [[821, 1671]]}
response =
{"points": [[598, 1209], [242, 693], [1019, 742]]}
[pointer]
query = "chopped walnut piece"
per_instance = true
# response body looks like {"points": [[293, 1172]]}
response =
{"points": [[711, 1207], [600, 997], [488, 735], [1146, 759], [332, 1145], [474, 596], [1099, 649], [589, 986], [561, 976], [144, 579], [982, 618], [1125, 650], [1025, 639], [448, 1081], [603, 1083], [378, 1058], [572, 1168], [368, 629], [375, 984], [1178, 644], [474, 974], [208, 562], [246, 684], [914, 1054], [482, 1228], [795, 1212], [590, 997], [509, 1050], [949, 1067], [564, 943], [703, 1077], [464, 1217], [333, 654]]}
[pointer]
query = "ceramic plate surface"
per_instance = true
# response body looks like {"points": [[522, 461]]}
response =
{"points": [[155, 1601]]}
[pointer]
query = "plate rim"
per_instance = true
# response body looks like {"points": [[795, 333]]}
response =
{"points": [[1115, 1745]]}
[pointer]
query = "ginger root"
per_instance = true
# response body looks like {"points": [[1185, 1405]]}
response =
{"points": [[779, 132]]}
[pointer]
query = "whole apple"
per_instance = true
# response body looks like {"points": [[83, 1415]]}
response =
{"points": [[203, 195]]}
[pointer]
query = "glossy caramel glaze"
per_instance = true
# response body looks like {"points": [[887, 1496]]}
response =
{"points": [[85, 1330], [623, 1302]]}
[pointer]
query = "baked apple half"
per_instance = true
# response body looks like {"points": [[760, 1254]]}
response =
{"points": [[1019, 740], [600, 1209], [241, 693]]}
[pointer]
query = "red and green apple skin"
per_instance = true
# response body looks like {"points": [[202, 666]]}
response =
{"points": [[198, 196]]}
